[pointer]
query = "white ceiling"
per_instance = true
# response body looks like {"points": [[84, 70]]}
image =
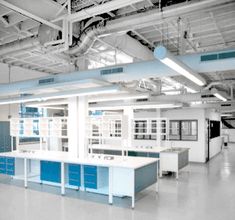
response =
{"points": [[208, 27]]}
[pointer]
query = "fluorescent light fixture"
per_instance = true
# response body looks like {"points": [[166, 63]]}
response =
{"points": [[220, 97], [136, 106], [218, 94], [64, 94], [168, 59], [226, 115], [154, 106], [171, 92], [116, 97]]}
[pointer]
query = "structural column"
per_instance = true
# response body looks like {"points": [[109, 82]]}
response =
{"points": [[158, 111], [77, 113], [128, 117]]}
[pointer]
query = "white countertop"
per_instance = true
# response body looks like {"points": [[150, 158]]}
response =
{"points": [[118, 161]]}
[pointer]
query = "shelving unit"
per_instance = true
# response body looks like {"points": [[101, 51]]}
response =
{"points": [[150, 129], [39, 127], [104, 129]]}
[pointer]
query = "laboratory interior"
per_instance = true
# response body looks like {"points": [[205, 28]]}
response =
{"points": [[117, 109]]}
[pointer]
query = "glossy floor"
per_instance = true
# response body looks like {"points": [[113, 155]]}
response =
{"points": [[203, 192]]}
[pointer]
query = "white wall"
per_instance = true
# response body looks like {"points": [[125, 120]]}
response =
{"points": [[215, 143], [17, 74], [230, 133], [197, 148]]}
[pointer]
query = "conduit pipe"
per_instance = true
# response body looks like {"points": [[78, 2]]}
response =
{"points": [[19, 45], [122, 24], [146, 18]]}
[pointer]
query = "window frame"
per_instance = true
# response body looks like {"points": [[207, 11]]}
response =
{"points": [[180, 130]]}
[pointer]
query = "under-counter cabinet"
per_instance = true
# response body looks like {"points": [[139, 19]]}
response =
{"points": [[50, 171], [7, 166], [74, 175], [96, 178], [118, 177]]}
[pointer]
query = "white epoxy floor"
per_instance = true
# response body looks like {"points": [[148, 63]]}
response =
{"points": [[203, 192]]}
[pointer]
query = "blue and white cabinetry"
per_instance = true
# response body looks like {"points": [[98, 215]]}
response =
{"points": [[7, 166], [74, 174], [50, 171]]}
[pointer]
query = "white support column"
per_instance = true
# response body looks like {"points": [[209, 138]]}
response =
{"points": [[77, 113], [62, 179], [73, 126], [82, 115], [110, 185], [25, 173], [158, 111], [129, 116]]}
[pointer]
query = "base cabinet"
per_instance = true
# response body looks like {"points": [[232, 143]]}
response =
{"points": [[7, 166], [90, 177], [50, 171], [143, 154], [74, 174]]}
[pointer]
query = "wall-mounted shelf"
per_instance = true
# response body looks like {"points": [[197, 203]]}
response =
{"points": [[39, 127], [99, 128], [150, 128]]}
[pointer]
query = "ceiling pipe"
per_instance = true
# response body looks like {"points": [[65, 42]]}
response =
{"points": [[227, 82], [29, 15], [19, 45], [129, 22], [121, 24]]}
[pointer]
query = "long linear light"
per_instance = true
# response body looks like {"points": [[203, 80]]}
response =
{"points": [[137, 106], [218, 94], [220, 97], [59, 95], [170, 60], [118, 97]]}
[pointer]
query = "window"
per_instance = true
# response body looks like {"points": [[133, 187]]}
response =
{"points": [[115, 128], [174, 130], [184, 130]]}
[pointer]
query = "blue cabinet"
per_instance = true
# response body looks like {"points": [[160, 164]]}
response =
{"points": [[143, 154], [50, 171], [74, 173], [90, 176], [7, 166], [5, 138], [154, 155]]}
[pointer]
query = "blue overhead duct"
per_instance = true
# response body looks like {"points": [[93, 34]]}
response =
{"points": [[130, 72]]}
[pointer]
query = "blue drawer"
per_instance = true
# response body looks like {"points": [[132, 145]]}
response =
{"points": [[75, 176], [90, 178], [90, 185], [10, 160], [50, 171], [10, 172], [75, 168], [74, 183], [2, 166], [10, 167], [2, 171], [2, 159], [90, 169]]}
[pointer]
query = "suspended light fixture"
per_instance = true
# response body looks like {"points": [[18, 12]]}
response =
{"points": [[171, 61], [148, 105], [64, 94], [218, 94]]}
